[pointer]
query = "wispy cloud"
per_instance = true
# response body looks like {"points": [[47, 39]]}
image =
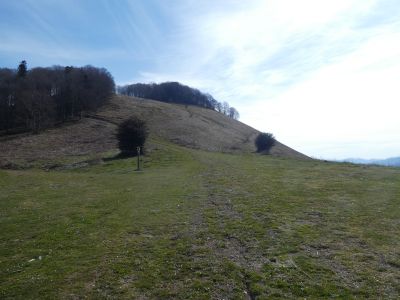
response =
{"points": [[54, 33], [265, 41]]}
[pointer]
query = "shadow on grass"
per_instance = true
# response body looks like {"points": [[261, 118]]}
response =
{"points": [[119, 156], [123, 155]]}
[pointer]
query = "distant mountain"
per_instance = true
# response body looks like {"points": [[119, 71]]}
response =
{"points": [[393, 161]]}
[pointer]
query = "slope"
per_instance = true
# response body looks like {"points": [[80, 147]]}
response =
{"points": [[189, 126]]}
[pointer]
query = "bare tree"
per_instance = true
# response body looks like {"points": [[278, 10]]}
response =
{"points": [[233, 113], [37, 98]]}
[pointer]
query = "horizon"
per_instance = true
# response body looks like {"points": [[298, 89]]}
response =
{"points": [[322, 77]]}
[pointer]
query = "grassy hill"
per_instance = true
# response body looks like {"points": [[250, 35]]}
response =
{"points": [[189, 126], [194, 224]]}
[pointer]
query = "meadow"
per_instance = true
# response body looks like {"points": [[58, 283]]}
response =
{"points": [[199, 225]]}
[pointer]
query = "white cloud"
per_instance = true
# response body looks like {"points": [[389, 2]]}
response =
{"points": [[352, 104]]}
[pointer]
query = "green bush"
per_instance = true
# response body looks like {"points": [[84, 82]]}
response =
{"points": [[264, 142], [132, 133]]}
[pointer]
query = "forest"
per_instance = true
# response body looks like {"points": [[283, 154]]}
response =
{"points": [[175, 92], [42, 97], [38, 98]]}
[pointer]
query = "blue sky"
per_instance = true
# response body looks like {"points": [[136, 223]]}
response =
{"points": [[323, 76]]}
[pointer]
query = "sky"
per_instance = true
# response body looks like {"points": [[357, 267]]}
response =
{"points": [[323, 76]]}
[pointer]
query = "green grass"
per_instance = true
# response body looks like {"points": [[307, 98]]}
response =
{"points": [[201, 225]]}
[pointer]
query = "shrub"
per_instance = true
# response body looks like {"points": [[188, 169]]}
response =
{"points": [[264, 142], [132, 133]]}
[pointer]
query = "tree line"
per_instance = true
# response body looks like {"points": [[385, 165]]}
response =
{"points": [[175, 92], [40, 97]]}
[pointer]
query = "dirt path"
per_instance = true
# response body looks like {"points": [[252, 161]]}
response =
{"points": [[217, 218]]}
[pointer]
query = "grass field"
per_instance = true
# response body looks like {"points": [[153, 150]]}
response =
{"points": [[201, 225]]}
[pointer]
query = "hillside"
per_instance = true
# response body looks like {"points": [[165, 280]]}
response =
{"points": [[189, 126]]}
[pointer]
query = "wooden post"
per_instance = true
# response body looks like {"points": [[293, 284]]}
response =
{"points": [[138, 158]]}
